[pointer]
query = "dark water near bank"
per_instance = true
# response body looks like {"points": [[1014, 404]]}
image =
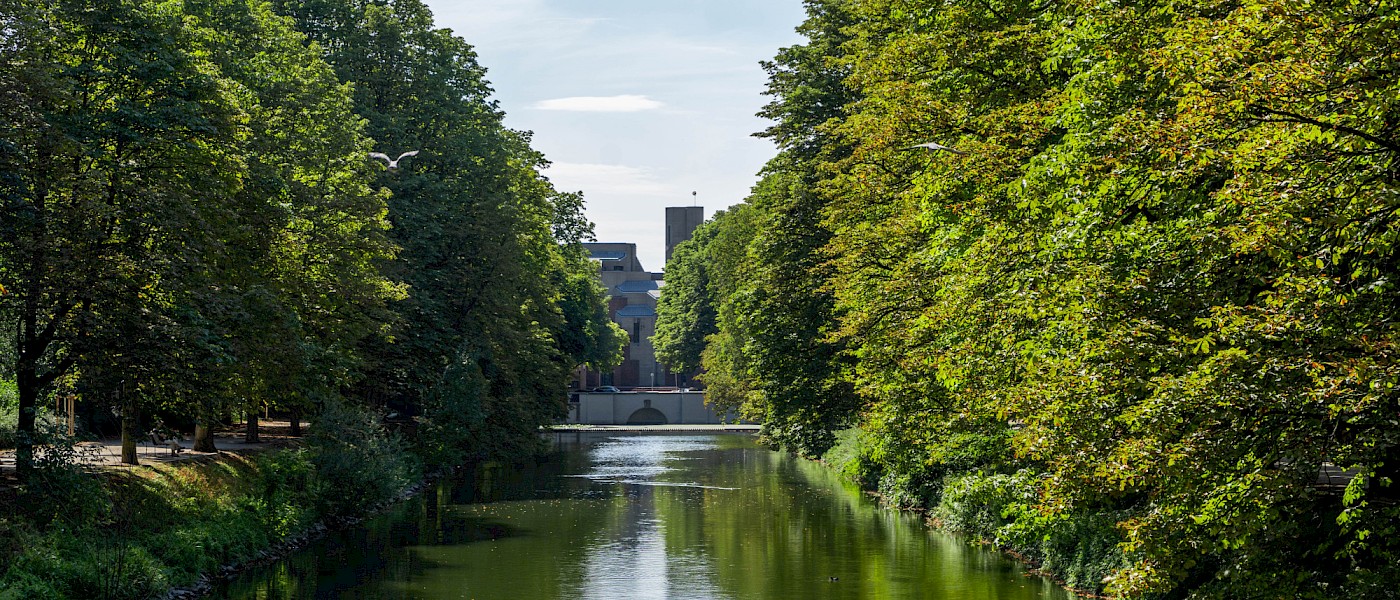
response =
{"points": [[646, 516]]}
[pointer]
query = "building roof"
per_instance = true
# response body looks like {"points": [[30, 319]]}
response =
{"points": [[607, 254], [637, 286], [636, 310]]}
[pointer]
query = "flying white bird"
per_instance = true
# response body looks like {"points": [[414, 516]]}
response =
{"points": [[393, 163], [934, 146]]}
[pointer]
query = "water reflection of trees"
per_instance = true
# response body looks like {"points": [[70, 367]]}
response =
{"points": [[735, 521], [793, 525]]}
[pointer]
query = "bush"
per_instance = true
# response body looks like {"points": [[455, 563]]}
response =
{"points": [[289, 490], [983, 505], [907, 489], [1080, 548], [358, 463], [59, 488], [849, 456], [9, 413], [454, 418]]}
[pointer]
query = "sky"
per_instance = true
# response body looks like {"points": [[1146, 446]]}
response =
{"points": [[637, 103]]}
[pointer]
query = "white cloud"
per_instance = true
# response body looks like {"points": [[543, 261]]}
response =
{"points": [[623, 103], [595, 179], [697, 61]]}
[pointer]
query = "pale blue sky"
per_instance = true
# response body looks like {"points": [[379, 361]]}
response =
{"points": [[637, 103]]}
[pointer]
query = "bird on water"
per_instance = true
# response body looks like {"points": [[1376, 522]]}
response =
{"points": [[392, 162]]}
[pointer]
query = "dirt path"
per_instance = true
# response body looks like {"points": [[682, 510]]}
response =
{"points": [[106, 453]]}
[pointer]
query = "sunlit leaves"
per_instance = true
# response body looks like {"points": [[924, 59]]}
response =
{"points": [[189, 218], [1165, 254]]}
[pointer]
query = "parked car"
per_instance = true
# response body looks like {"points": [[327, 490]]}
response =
{"points": [[606, 389]]}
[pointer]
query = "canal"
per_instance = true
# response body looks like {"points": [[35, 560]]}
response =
{"points": [[611, 516]]}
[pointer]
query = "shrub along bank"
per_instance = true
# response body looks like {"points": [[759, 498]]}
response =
{"points": [[975, 493]]}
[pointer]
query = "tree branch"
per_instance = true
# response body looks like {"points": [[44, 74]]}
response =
{"points": [[1289, 117]]}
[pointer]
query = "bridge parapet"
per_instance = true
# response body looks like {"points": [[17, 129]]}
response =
{"points": [[644, 408]]}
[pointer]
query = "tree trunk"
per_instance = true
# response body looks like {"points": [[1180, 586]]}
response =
{"points": [[204, 438], [251, 435], [129, 434], [296, 422], [24, 427]]}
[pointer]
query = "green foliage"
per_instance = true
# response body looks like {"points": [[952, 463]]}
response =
{"points": [[1081, 548], [753, 282], [1146, 300], [454, 431], [987, 504], [850, 457], [92, 230], [498, 284], [588, 336], [149, 530], [9, 412], [352, 451], [186, 218], [59, 490], [60, 567], [191, 222], [686, 314]]}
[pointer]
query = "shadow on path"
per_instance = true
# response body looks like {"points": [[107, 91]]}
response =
{"points": [[107, 452]]}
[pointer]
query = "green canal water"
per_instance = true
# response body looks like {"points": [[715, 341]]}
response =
{"points": [[645, 516]]}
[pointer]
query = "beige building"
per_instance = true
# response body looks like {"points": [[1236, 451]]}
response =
{"points": [[632, 294], [681, 222]]}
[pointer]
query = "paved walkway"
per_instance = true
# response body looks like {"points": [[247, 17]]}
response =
{"points": [[108, 452]]}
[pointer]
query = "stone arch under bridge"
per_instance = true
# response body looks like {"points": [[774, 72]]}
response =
{"points": [[646, 415], [644, 408]]}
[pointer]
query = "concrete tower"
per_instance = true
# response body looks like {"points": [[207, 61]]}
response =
{"points": [[681, 221]]}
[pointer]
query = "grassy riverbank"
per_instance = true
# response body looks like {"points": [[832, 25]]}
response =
{"points": [[138, 533]]}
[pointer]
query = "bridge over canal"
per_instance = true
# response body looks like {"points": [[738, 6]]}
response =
{"points": [[644, 408]]}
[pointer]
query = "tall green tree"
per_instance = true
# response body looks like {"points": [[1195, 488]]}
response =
{"points": [[686, 311], [1148, 287], [757, 291], [190, 223], [794, 365], [110, 171], [296, 285], [489, 248]]}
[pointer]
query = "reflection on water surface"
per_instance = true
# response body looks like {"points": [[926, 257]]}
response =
{"points": [[645, 516]]}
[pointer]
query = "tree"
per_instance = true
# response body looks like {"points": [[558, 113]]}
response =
{"points": [[497, 312], [121, 133], [1152, 283], [685, 313], [796, 388], [297, 284]]}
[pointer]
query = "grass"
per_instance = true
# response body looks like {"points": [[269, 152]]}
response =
{"points": [[140, 532], [137, 533]]}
